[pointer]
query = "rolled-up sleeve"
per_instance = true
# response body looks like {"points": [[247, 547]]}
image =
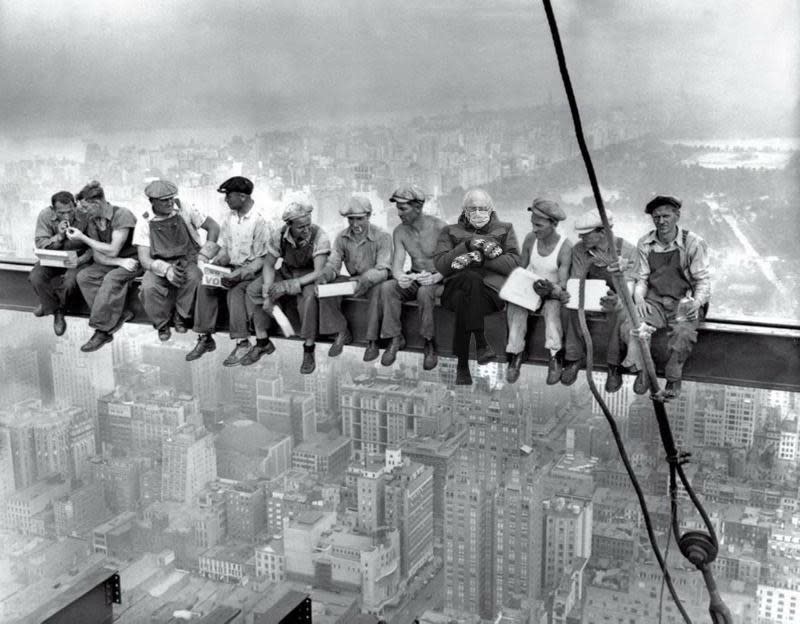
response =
{"points": [[642, 268], [334, 265], [699, 268], [274, 243], [383, 259], [322, 244], [261, 236], [43, 232]]}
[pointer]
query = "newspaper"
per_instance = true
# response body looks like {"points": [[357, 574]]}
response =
{"points": [[518, 289]]}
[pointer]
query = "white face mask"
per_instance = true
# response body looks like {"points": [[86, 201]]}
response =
{"points": [[479, 218]]}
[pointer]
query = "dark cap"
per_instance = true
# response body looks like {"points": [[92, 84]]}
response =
{"points": [[662, 200], [406, 194], [236, 184], [547, 208], [93, 190]]}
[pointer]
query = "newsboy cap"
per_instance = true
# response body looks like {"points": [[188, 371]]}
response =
{"points": [[406, 194], [358, 206], [236, 184], [296, 210], [547, 208], [161, 189], [591, 220], [662, 200]]}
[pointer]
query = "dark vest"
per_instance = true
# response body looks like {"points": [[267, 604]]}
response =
{"points": [[297, 261], [667, 278]]}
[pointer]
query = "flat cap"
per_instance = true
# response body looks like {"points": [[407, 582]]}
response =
{"points": [[662, 200], [590, 220], [358, 206], [236, 184], [93, 190], [296, 210], [161, 189], [547, 208], [405, 194]]}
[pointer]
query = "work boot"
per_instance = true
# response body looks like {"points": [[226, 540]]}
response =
{"points": [[463, 376], [554, 368], [236, 356], [514, 366], [485, 354], [390, 355], [256, 351], [98, 339], [430, 358], [127, 315], [371, 352], [180, 324], [309, 363], [673, 389], [59, 323], [164, 333], [570, 372], [642, 383], [342, 338], [205, 344], [613, 378], [39, 310]]}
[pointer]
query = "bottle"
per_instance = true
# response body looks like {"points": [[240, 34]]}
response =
{"points": [[684, 307]]}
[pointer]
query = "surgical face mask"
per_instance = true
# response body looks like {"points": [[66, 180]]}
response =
{"points": [[478, 218]]}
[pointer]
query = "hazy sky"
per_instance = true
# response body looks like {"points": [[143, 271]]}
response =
{"points": [[75, 66]]}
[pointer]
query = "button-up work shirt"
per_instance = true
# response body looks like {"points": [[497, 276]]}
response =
{"points": [[372, 255], [244, 238], [47, 227], [693, 260]]}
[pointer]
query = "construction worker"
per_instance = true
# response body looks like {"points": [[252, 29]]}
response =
{"points": [[592, 259], [366, 252], [672, 291], [243, 246], [549, 255], [303, 248], [169, 246], [104, 282], [416, 237], [475, 255], [53, 285]]}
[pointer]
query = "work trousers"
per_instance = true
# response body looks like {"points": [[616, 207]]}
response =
{"points": [[517, 318], [240, 309], [160, 297], [302, 309], [392, 298], [53, 286], [332, 321], [105, 289], [575, 347], [470, 300]]}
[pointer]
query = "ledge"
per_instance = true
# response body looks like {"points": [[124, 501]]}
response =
{"points": [[739, 353]]}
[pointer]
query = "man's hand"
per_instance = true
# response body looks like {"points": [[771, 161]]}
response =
{"points": [[609, 302], [129, 264], [176, 275], [362, 285], [268, 305], [75, 234], [429, 279], [620, 266], [62, 227], [405, 280], [643, 309], [694, 310], [276, 290], [543, 288], [69, 263], [229, 281]]}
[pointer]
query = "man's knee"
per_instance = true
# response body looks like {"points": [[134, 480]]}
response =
{"points": [[37, 276], [427, 294], [253, 291]]}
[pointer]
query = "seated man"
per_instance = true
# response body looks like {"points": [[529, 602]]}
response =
{"points": [[303, 248], [591, 258], [169, 248], [475, 255], [104, 283], [243, 245], [366, 251], [416, 236], [673, 287], [54, 285], [549, 255]]}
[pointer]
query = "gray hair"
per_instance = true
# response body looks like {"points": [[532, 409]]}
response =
{"points": [[478, 196]]}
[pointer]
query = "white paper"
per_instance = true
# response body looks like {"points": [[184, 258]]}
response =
{"points": [[336, 289], [518, 289], [283, 321], [595, 290], [57, 258], [213, 274]]}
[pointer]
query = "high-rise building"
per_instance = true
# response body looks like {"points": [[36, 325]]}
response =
{"points": [[19, 370], [245, 506], [290, 412], [82, 510], [248, 450], [80, 378], [567, 536], [381, 411], [323, 455], [19, 422], [409, 508], [370, 496], [7, 485], [121, 480], [189, 462], [469, 547]]}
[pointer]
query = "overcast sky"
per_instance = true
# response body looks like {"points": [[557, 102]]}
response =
{"points": [[72, 66]]}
